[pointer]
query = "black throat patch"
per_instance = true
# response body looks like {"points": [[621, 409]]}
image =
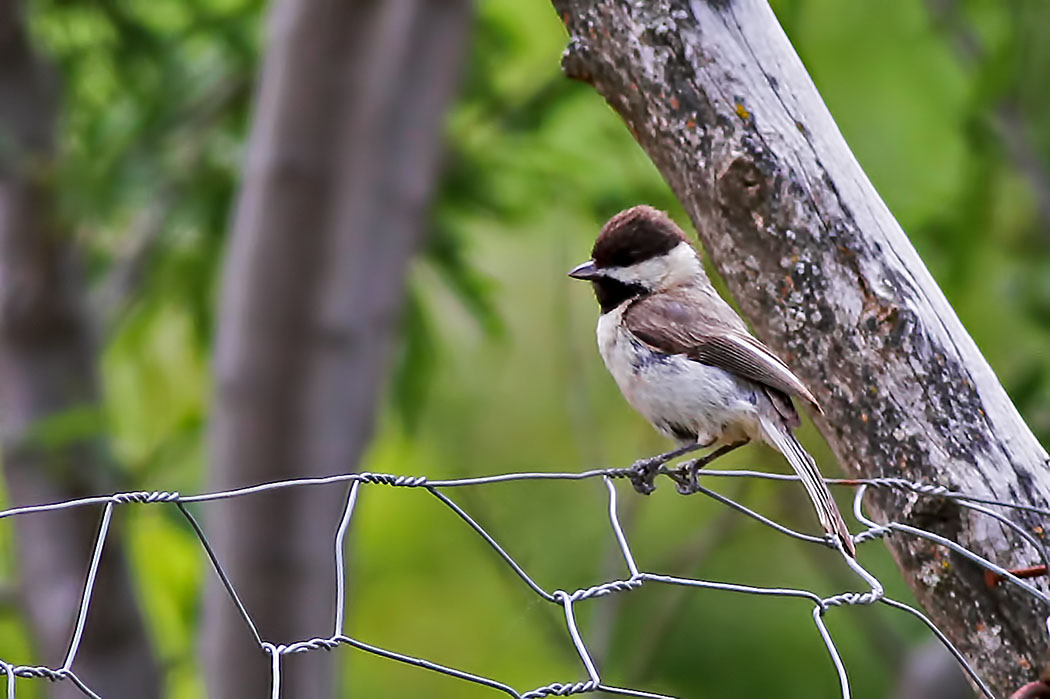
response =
{"points": [[612, 292]]}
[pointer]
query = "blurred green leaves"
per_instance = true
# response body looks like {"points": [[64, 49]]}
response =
{"points": [[80, 424], [156, 101]]}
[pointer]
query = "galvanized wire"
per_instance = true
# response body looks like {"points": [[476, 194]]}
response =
{"points": [[592, 681]]}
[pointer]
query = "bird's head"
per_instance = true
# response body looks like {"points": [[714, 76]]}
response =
{"points": [[639, 251]]}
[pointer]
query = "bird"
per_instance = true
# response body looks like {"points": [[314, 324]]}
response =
{"points": [[685, 360]]}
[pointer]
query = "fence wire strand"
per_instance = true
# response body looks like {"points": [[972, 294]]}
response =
{"points": [[635, 578]]}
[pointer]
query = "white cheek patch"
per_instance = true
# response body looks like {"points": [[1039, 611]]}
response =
{"points": [[679, 265]]}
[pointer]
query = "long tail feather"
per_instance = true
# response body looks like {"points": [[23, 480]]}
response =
{"points": [[781, 438]]}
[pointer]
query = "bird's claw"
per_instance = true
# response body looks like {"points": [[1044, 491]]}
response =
{"points": [[685, 478], [643, 473]]}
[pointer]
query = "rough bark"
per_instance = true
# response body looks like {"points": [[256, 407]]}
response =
{"points": [[341, 162], [714, 92], [48, 370]]}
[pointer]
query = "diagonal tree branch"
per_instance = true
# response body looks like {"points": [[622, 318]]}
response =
{"points": [[714, 92]]}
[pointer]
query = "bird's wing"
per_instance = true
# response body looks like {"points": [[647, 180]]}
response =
{"points": [[687, 326]]}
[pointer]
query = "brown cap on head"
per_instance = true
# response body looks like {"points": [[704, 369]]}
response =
{"points": [[635, 235]]}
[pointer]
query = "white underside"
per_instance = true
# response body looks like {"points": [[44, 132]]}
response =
{"points": [[672, 390]]}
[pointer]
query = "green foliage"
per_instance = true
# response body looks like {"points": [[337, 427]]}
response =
{"points": [[156, 102], [497, 369], [83, 423]]}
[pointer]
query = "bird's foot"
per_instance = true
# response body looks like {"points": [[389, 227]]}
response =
{"points": [[685, 475], [643, 472]]}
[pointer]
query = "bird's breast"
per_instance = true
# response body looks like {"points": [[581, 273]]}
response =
{"points": [[677, 395]]}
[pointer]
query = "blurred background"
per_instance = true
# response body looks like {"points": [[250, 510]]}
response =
{"points": [[245, 242]]}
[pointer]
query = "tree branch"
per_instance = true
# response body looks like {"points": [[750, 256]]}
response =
{"points": [[724, 107]]}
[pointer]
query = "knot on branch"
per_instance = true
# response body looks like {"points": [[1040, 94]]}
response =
{"points": [[744, 185], [575, 61]]}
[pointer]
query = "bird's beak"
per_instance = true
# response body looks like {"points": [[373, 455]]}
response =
{"points": [[586, 271]]}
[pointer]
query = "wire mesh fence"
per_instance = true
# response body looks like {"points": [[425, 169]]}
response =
{"points": [[590, 680]]}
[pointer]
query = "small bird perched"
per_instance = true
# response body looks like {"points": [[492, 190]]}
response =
{"points": [[684, 359]]}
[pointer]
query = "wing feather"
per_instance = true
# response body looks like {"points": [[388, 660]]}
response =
{"points": [[715, 336]]}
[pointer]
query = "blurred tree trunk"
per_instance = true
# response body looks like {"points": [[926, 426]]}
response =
{"points": [[714, 92], [48, 373], [340, 166]]}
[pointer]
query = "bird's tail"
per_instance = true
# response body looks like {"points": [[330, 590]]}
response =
{"points": [[781, 438]]}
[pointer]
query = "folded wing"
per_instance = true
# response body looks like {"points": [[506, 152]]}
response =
{"points": [[687, 326]]}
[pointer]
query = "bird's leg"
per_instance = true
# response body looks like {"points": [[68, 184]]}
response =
{"points": [[685, 475], [643, 471]]}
